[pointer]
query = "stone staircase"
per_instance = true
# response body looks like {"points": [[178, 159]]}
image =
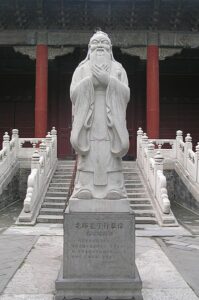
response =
{"points": [[140, 201], [54, 202]]}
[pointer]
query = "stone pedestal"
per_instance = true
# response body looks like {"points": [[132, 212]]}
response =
{"points": [[99, 252]]}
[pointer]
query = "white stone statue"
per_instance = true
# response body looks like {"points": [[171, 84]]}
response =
{"points": [[99, 94]]}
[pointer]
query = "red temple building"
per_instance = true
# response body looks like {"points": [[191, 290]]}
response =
{"points": [[42, 42]]}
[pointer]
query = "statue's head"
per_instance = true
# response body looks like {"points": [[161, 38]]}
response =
{"points": [[100, 42], [99, 47]]}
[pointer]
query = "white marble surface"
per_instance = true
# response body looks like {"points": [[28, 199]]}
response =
{"points": [[38, 229], [57, 229], [99, 93], [160, 279], [35, 279], [27, 297], [156, 230], [166, 294], [39, 270]]}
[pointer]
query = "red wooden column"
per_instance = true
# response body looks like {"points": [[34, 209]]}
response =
{"points": [[41, 91], [153, 118]]}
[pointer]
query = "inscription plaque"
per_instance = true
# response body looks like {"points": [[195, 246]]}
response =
{"points": [[99, 245]]}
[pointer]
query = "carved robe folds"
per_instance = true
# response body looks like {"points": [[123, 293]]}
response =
{"points": [[99, 134]]}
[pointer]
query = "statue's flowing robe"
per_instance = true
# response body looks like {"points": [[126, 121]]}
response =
{"points": [[99, 156]]}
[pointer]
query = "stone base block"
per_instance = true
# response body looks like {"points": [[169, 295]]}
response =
{"points": [[98, 289], [99, 252]]}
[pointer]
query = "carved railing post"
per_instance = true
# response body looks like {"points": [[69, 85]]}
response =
{"points": [[15, 134], [144, 143], [42, 150], [150, 152], [48, 139], [15, 143], [160, 184], [179, 138], [54, 139], [139, 138], [35, 160], [197, 158], [188, 145], [32, 182], [49, 150], [6, 140], [158, 165], [6, 144]]}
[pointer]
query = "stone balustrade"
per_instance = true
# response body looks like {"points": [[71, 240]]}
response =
{"points": [[8, 158], [43, 165], [180, 151], [41, 155], [176, 152], [150, 161]]}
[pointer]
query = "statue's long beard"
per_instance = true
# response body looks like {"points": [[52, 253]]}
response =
{"points": [[99, 58]]}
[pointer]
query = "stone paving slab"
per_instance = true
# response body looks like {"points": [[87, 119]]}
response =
{"points": [[161, 280], [184, 254], [27, 297], [156, 230], [39, 270], [13, 250], [168, 294], [38, 229], [57, 230]]}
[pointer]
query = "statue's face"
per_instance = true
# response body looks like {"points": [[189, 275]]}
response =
{"points": [[100, 44]]}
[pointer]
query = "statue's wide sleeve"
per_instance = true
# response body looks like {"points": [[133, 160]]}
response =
{"points": [[81, 93], [118, 95]]}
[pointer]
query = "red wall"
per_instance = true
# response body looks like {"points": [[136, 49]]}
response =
{"points": [[17, 104], [179, 106]]}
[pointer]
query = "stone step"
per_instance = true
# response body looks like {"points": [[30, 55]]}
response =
{"points": [[56, 180], [63, 173], [65, 167], [136, 195], [58, 189], [136, 190], [66, 161], [125, 172], [131, 176], [49, 219], [51, 211], [55, 199], [145, 220], [141, 206], [58, 184], [133, 181], [134, 185], [144, 213], [140, 201], [56, 194], [53, 204], [62, 176]]}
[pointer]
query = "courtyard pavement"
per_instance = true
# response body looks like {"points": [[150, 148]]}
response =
{"points": [[30, 259]]}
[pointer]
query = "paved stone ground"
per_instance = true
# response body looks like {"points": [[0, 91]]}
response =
{"points": [[30, 258], [9, 215], [13, 250], [184, 254], [186, 218]]}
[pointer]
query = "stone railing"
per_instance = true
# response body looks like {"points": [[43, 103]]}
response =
{"points": [[150, 161], [8, 158], [43, 165], [180, 152], [38, 154]]}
